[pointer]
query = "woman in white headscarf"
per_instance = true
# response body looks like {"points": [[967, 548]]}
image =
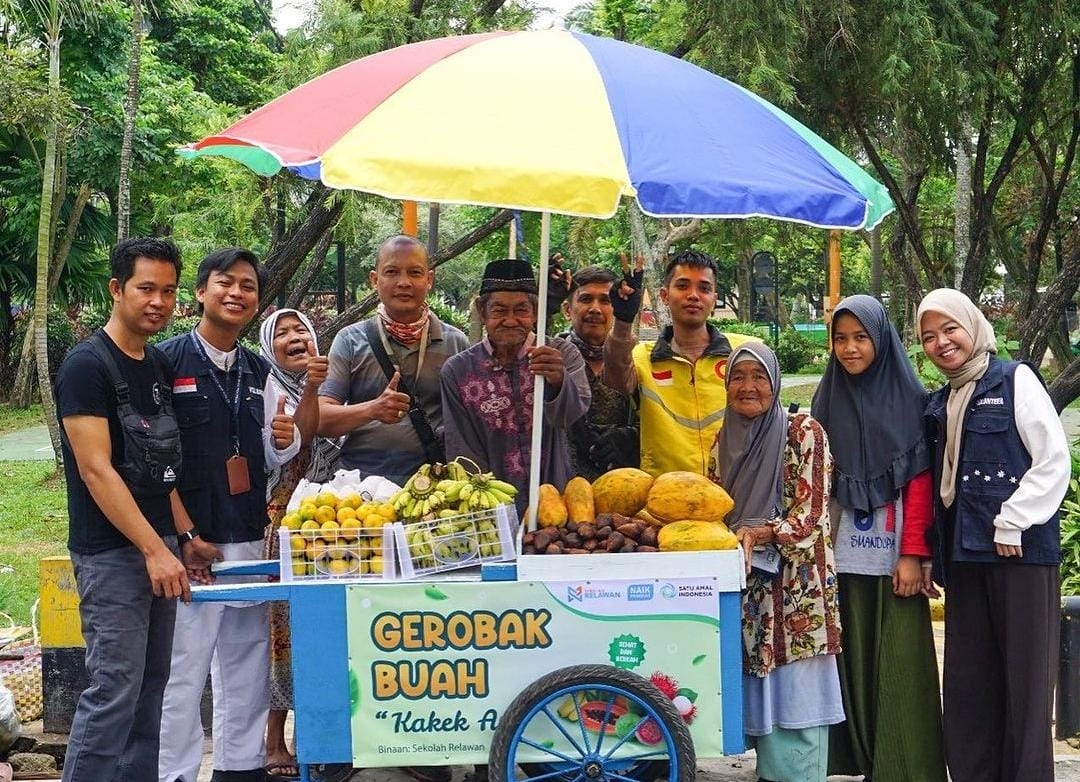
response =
{"points": [[777, 469], [1001, 464], [287, 342]]}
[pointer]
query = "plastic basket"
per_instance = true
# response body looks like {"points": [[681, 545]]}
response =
{"points": [[336, 553], [465, 540]]}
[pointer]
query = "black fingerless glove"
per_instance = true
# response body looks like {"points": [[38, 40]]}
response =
{"points": [[626, 309], [558, 284]]}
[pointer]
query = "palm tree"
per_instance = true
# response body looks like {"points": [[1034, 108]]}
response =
{"points": [[49, 17], [131, 110]]}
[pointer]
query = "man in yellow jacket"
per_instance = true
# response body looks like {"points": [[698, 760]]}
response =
{"points": [[679, 379]]}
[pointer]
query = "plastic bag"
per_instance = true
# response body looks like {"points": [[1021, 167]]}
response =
{"points": [[9, 719], [344, 482]]}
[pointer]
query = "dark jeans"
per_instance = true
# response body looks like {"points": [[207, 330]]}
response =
{"points": [[128, 634]]}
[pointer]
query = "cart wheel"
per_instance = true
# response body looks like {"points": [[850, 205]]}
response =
{"points": [[592, 723]]}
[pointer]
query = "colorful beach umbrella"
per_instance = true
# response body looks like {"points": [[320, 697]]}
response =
{"points": [[552, 121]]}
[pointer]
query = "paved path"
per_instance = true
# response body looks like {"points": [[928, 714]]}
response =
{"points": [[25, 445]]}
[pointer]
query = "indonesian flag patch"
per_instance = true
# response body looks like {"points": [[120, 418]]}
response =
{"points": [[663, 378], [184, 385]]}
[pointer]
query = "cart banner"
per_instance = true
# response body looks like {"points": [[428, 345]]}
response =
{"points": [[434, 666]]}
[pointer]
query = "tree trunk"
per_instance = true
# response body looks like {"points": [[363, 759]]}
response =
{"points": [[962, 206], [22, 394], [668, 232], [131, 110], [318, 257], [7, 329], [44, 251], [876, 262], [361, 308], [1066, 386]]}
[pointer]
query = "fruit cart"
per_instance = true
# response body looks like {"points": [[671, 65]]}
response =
{"points": [[473, 668], [547, 667]]}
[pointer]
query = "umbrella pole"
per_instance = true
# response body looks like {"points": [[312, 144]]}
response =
{"points": [[538, 382]]}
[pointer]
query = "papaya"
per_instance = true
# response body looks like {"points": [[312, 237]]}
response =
{"points": [[648, 518], [623, 490], [696, 536], [551, 510], [687, 496], [578, 498]]}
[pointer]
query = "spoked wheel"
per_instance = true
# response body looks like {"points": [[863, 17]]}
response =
{"points": [[592, 723]]}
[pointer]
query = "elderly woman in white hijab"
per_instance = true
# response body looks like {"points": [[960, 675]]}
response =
{"points": [[777, 468], [287, 341], [1001, 463]]}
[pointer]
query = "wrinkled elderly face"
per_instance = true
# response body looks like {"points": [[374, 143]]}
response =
{"points": [[749, 389], [509, 318], [290, 342]]}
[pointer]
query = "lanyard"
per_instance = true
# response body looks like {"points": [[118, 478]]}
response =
{"points": [[234, 406], [390, 351]]}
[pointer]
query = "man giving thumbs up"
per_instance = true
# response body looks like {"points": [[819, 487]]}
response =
{"points": [[382, 390]]}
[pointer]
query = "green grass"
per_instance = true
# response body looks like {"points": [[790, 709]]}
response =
{"points": [[801, 394], [33, 524], [13, 418]]}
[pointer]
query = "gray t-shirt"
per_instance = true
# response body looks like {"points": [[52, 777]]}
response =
{"points": [[868, 544], [391, 450]]}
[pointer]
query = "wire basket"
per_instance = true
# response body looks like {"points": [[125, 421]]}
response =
{"points": [[459, 541]]}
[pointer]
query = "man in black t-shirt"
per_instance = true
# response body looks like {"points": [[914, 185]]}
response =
{"points": [[123, 522]]}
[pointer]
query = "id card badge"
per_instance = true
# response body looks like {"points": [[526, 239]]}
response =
{"points": [[765, 560], [236, 469]]}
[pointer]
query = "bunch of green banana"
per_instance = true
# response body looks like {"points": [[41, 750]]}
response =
{"points": [[484, 492], [421, 546], [420, 497], [488, 535]]}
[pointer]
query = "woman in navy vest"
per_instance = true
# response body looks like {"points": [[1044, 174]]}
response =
{"points": [[1001, 465]]}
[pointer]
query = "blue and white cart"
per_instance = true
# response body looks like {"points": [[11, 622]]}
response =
{"points": [[573, 668]]}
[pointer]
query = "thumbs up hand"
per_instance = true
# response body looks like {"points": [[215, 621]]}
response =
{"points": [[281, 428], [391, 405], [317, 367]]}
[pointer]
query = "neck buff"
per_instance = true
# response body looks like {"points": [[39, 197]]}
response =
{"points": [[405, 333]]}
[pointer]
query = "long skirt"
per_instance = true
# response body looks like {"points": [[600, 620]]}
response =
{"points": [[889, 681], [281, 684]]}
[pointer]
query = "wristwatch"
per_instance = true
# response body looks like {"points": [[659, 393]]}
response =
{"points": [[187, 537]]}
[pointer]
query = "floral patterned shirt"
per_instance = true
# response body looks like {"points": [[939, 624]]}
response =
{"points": [[794, 615]]}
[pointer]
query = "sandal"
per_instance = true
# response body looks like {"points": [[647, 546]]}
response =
{"points": [[289, 769]]}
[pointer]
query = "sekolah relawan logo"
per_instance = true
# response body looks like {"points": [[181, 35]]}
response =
{"points": [[579, 593]]}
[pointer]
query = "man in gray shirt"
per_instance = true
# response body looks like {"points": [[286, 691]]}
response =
{"points": [[359, 400]]}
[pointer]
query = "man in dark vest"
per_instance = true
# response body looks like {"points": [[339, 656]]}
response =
{"points": [[218, 397]]}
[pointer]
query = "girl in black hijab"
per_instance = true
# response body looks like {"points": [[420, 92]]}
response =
{"points": [[870, 404]]}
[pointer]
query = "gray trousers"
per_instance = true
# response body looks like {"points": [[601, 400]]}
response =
{"points": [[128, 634], [1002, 623]]}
